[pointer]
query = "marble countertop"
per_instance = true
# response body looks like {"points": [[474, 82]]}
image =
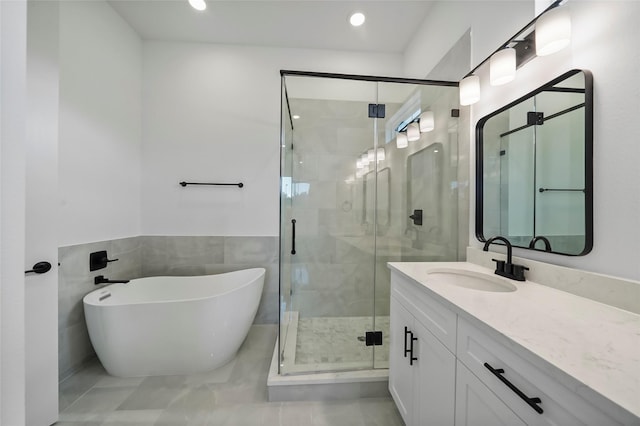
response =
{"points": [[588, 346]]}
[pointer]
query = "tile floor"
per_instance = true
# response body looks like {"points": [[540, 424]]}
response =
{"points": [[233, 395], [334, 340]]}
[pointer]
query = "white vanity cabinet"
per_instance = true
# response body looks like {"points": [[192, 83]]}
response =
{"points": [[467, 374], [422, 369]]}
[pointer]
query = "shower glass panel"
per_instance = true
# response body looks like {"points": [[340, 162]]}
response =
{"points": [[422, 176], [347, 194]]}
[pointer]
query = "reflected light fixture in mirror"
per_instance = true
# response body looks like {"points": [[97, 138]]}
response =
{"points": [[502, 66], [553, 31], [364, 159], [413, 132], [427, 122], [359, 164], [470, 90], [380, 154], [199, 5], [402, 141], [356, 19], [371, 155]]}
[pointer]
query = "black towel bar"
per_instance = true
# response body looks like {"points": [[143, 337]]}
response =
{"points": [[239, 185]]}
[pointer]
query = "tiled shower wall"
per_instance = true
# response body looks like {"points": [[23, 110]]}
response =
{"points": [[145, 256]]}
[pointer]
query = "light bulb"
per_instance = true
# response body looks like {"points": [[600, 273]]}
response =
{"points": [[427, 121], [401, 140], [198, 4], [502, 66], [470, 90], [553, 31]]}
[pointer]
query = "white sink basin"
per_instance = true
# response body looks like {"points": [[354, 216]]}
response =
{"points": [[471, 279]]}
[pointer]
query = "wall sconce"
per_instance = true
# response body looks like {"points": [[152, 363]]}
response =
{"points": [[380, 154], [553, 31], [371, 155], [413, 132], [502, 66], [427, 122], [402, 141], [470, 90]]}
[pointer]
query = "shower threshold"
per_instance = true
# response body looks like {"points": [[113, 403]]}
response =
{"points": [[325, 360]]}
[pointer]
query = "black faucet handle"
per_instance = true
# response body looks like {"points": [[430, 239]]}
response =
{"points": [[518, 272], [500, 264]]}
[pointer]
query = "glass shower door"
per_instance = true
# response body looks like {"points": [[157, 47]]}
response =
{"points": [[327, 225], [416, 195]]}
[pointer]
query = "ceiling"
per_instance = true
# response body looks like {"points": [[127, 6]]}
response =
{"points": [[314, 24]]}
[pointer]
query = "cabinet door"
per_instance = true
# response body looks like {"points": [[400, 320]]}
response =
{"points": [[400, 372], [476, 405], [434, 388]]}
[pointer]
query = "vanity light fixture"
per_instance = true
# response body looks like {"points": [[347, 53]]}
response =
{"points": [[295, 116], [371, 155], [413, 132], [380, 154], [553, 31], [427, 122], [364, 159], [356, 19], [359, 164], [470, 90], [198, 5], [502, 66], [402, 141]]}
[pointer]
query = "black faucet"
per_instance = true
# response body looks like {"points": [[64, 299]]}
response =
{"points": [[547, 244], [100, 279], [506, 269]]}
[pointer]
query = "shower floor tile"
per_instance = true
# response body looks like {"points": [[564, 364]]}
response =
{"points": [[337, 343]]}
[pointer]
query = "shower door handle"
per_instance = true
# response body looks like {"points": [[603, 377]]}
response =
{"points": [[293, 236]]}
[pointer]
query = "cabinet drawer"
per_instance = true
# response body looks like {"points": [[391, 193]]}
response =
{"points": [[440, 321], [513, 380]]}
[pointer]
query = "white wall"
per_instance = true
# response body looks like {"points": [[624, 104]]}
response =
{"points": [[491, 23], [13, 116], [604, 37], [212, 113], [100, 124]]}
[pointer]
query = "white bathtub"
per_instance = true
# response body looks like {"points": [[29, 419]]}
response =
{"points": [[172, 325]]}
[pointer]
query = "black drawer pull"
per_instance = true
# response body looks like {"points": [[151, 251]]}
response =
{"points": [[498, 372]]}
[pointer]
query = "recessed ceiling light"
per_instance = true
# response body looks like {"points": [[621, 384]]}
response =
{"points": [[198, 4], [295, 117], [356, 19]]}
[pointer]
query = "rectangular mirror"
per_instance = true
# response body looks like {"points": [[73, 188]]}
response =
{"points": [[534, 169]]}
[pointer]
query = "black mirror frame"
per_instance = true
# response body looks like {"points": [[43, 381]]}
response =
{"points": [[588, 158]]}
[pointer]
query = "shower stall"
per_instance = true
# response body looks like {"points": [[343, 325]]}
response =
{"points": [[368, 176]]}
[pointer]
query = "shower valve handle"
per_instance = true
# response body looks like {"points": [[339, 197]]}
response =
{"points": [[293, 236]]}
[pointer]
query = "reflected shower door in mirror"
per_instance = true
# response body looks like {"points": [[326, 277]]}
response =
{"points": [[534, 168]]}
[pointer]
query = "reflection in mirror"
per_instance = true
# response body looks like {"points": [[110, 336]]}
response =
{"points": [[534, 168], [425, 172], [383, 211]]}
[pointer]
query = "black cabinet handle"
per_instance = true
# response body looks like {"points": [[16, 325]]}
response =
{"points": [[39, 268], [412, 358], [293, 236], [406, 349], [498, 372]]}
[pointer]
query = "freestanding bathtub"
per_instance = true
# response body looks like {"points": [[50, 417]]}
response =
{"points": [[172, 325]]}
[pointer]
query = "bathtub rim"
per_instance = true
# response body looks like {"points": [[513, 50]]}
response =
{"points": [[97, 303]]}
